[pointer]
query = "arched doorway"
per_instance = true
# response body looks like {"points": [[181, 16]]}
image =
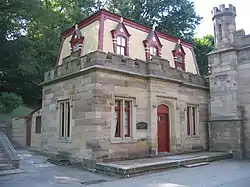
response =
{"points": [[163, 128]]}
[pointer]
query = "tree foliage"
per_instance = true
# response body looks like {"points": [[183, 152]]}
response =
{"points": [[202, 47], [9, 101], [176, 17], [30, 33]]}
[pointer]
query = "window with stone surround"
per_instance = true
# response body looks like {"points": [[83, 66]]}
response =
{"points": [[122, 118], [65, 118], [192, 120], [38, 127]]}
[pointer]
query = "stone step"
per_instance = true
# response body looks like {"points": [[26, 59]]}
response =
{"points": [[1, 150], [2, 155], [11, 172], [196, 165], [3, 161], [125, 169], [5, 167]]}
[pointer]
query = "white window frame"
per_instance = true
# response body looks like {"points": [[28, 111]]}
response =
{"points": [[121, 44]]}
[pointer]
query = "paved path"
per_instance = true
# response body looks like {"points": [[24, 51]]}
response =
{"points": [[38, 173], [227, 173]]}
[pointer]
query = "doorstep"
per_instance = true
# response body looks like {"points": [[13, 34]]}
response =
{"points": [[130, 168]]}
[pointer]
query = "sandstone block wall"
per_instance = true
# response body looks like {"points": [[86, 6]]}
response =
{"points": [[19, 131], [35, 137], [93, 82]]}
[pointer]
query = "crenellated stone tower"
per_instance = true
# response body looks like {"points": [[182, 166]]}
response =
{"points": [[229, 67], [224, 25]]}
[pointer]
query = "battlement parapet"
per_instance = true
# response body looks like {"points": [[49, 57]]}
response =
{"points": [[241, 39], [157, 67], [223, 10]]}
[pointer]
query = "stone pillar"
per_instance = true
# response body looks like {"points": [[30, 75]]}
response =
{"points": [[152, 110]]}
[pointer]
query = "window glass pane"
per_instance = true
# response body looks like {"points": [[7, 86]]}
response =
{"points": [[194, 120], [117, 103], [122, 51], [62, 119], [118, 40], [117, 119], [68, 118], [123, 42], [38, 125], [153, 51], [118, 49], [126, 123], [188, 121]]}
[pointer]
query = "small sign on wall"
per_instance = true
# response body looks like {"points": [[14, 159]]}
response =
{"points": [[141, 126]]}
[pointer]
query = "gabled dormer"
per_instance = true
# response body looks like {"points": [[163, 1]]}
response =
{"points": [[179, 56], [121, 37], [152, 45], [76, 41]]}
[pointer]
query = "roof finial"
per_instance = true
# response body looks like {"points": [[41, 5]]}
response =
{"points": [[179, 41], [154, 25], [121, 20], [76, 26]]}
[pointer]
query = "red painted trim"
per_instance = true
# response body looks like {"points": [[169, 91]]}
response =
{"points": [[150, 43], [101, 32], [83, 23], [118, 110], [130, 23], [75, 41], [128, 110], [188, 121], [60, 51]]}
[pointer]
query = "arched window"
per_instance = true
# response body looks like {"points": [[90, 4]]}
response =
{"points": [[121, 45]]}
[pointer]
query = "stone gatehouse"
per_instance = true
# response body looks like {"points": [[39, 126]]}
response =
{"points": [[122, 90]]}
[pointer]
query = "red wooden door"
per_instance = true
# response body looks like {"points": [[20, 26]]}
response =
{"points": [[163, 128]]}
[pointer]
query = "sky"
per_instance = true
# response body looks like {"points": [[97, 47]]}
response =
{"points": [[204, 7]]}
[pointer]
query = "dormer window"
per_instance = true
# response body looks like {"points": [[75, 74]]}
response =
{"points": [[152, 45], [121, 45], [121, 39], [76, 41], [179, 57]]}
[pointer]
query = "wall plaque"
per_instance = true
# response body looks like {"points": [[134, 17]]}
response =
{"points": [[141, 125]]}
